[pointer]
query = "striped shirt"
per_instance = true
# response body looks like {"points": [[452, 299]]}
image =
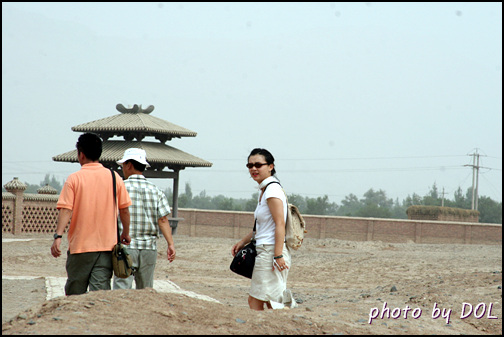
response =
{"points": [[149, 204]]}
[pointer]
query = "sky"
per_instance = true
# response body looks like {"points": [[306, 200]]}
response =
{"points": [[347, 97]]}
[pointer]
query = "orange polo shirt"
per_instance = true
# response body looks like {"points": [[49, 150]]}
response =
{"points": [[89, 194]]}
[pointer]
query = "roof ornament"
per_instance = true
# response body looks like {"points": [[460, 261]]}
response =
{"points": [[135, 109], [15, 184], [47, 189]]}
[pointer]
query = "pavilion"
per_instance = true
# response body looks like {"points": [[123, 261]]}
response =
{"points": [[134, 124]]}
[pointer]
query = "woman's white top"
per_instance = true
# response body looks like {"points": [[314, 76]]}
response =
{"points": [[265, 227]]}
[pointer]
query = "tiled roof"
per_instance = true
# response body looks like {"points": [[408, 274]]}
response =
{"points": [[158, 155], [8, 196], [47, 190], [15, 184], [40, 197], [133, 125]]}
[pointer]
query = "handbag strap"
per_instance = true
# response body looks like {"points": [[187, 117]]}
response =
{"points": [[115, 201]]}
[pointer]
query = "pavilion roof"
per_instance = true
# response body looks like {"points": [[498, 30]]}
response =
{"points": [[133, 123], [158, 155]]}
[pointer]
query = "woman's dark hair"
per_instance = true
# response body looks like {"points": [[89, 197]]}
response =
{"points": [[91, 145], [267, 156]]}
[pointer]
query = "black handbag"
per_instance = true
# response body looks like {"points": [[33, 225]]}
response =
{"points": [[244, 261]]}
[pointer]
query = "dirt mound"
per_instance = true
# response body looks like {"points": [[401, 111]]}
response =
{"points": [[337, 284], [148, 312]]}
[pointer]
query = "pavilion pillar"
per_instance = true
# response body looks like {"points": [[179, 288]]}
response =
{"points": [[174, 222]]}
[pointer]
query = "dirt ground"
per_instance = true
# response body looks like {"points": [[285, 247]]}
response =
{"points": [[338, 285]]}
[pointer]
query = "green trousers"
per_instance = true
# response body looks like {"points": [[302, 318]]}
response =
{"points": [[93, 270]]}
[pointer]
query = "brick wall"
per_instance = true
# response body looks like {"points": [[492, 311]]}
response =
{"points": [[237, 224], [29, 213], [33, 213]]}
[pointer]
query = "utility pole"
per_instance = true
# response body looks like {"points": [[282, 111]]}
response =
{"points": [[476, 167]]}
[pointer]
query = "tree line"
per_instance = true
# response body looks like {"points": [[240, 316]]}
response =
{"points": [[373, 204]]}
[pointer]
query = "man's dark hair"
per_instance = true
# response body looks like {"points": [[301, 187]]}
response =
{"points": [[91, 145], [136, 165]]}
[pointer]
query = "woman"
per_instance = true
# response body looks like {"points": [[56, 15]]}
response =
{"points": [[269, 278]]}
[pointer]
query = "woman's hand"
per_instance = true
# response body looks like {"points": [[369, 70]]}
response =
{"points": [[280, 264], [236, 248]]}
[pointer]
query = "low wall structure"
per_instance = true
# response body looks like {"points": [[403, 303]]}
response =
{"points": [[210, 223], [29, 212], [37, 213]]}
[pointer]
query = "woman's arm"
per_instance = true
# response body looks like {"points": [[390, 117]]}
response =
{"points": [[236, 248], [277, 212]]}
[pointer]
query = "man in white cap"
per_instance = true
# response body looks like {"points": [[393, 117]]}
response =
{"points": [[148, 212]]}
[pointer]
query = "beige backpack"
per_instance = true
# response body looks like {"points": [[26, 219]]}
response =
{"points": [[295, 226]]}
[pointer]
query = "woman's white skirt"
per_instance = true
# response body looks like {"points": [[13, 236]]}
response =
{"points": [[271, 285]]}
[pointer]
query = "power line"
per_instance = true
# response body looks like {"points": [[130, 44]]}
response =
{"points": [[491, 186], [352, 170], [300, 170], [351, 158]]}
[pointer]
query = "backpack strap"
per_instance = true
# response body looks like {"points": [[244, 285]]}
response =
{"points": [[276, 182], [273, 182], [286, 201]]}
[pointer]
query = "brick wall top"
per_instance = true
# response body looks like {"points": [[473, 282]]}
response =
{"points": [[41, 197], [307, 216], [8, 196]]}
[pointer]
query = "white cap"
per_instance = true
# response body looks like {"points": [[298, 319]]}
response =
{"points": [[134, 154]]}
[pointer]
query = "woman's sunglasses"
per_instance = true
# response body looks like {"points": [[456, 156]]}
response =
{"points": [[256, 165]]}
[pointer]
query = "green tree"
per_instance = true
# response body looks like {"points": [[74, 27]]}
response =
{"points": [[202, 201], [373, 204], [251, 203], [374, 211], [185, 199], [299, 201], [399, 210], [223, 203], [460, 201], [31, 188], [433, 193], [432, 199], [188, 191], [349, 206], [320, 206], [52, 182], [376, 205], [490, 210], [378, 198], [169, 195], [415, 199]]}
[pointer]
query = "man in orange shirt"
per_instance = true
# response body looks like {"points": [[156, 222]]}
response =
{"points": [[87, 198]]}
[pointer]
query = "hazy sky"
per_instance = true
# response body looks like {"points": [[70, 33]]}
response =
{"points": [[347, 96]]}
